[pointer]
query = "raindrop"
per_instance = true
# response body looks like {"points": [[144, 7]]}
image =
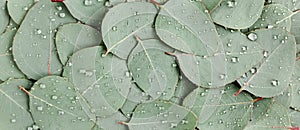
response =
{"points": [[231, 3], [173, 125], [59, 8], [222, 76], [235, 59], [54, 97], [265, 54], [38, 31], [88, 2], [13, 120], [253, 70], [252, 36], [39, 108], [62, 15], [184, 121], [42, 86], [275, 82], [114, 28]]}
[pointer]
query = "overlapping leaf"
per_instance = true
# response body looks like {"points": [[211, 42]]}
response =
{"points": [[184, 87], [4, 17], [17, 10], [295, 84], [211, 4], [238, 14], [8, 67], [33, 45], [122, 22], [161, 115], [55, 104], [75, 36], [152, 69], [219, 109], [272, 75], [14, 109], [100, 80]]}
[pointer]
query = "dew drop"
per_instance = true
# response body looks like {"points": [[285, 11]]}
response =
{"points": [[62, 15], [88, 2], [231, 3], [13, 120], [252, 36], [114, 28], [274, 82], [222, 76], [235, 59], [265, 54], [42, 86], [54, 97], [39, 108]]}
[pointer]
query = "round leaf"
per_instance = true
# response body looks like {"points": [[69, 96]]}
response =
{"points": [[272, 75], [4, 17], [8, 67], [90, 12], [238, 14], [55, 104], [33, 45], [14, 109], [101, 80], [75, 36], [17, 10], [152, 69], [161, 115], [123, 22]]}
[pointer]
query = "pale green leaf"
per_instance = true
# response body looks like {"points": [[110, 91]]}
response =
{"points": [[4, 17], [14, 114], [238, 14], [17, 10], [123, 22], [75, 36], [111, 122], [33, 45], [295, 84], [211, 4], [153, 70], [102, 81], [8, 67], [184, 87]]}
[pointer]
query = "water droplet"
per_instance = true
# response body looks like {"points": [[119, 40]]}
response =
{"points": [[38, 31], [174, 65], [244, 48], [59, 8], [61, 112], [222, 76], [42, 86], [235, 59], [231, 3], [39, 108], [54, 97], [252, 36], [173, 125], [114, 28], [13, 120], [184, 121], [253, 71], [88, 2], [275, 82], [270, 26], [62, 15], [275, 37], [265, 54]]}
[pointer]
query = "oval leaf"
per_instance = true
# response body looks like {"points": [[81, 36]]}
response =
{"points": [[161, 115], [17, 10], [272, 75], [123, 22], [75, 36], [4, 17], [100, 80], [33, 46], [152, 69], [15, 113], [238, 14]]}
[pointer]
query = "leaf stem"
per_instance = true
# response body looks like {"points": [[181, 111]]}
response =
{"points": [[156, 3], [238, 92], [258, 99], [24, 90], [122, 123], [298, 58]]}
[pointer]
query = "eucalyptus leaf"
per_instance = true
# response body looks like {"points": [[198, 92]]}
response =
{"points": [[14, 113], [90, 12], [100, 80], [162, 115], [8, 67], [293, 5], [111, 122], [184, 87], [122, 22], [274, 16], [17, 10], [277, 117], [4, 17], [152, 69], [55, 105], [33, 45], [67, 43], [211, 4], [272, 75], [295, 118], [295, 84], [238, 14], [219, 109]]}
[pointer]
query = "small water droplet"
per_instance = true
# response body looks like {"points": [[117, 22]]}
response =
{"points": [[13, 120], [42, 86], [114, 28], [222, 76], [54, 97], [265, 54], [235, 59], [88, 2], [252, 36], [275, 82], [38, 31], [39, 108], [62, 15], [231, 3]]}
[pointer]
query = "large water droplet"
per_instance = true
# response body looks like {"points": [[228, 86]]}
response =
{"points": [[252, 36]]}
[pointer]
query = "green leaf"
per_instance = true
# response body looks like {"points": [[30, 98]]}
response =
{"points": [[211, 4], [272, 75], [102, 81], [274, 16], [162, 115], [184, 87], [293, 5], [185, 26], [55, 104], [238, 14], [295, 84], [219, 109], [90, 12], [14, 109], [241, 54], [4, 17], [17, 10], [152, 69], [33, 45], [111, 122], [123, 22], [295, 118], [8, 67], [277, 117], [75, 36]]}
